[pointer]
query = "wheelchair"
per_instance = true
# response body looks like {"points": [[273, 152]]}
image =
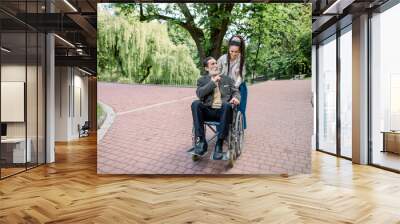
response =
{"points": [[233, 142]]}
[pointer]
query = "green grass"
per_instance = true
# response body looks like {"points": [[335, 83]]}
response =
{"points": [[100, 115], [100, 111]]}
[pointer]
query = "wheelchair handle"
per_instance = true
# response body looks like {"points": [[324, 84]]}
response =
{"points": [[234, 107]]}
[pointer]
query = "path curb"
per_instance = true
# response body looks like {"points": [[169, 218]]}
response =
{"points": [[110, 116]]}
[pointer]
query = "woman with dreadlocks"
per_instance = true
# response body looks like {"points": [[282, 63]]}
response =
{"points": [[232, 64]]}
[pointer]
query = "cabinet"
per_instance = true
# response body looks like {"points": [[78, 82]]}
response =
{"points": [[391, 141], [13, 150]]}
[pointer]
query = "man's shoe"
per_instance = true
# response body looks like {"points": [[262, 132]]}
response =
{"points": [[200, 148], [218, 151]]}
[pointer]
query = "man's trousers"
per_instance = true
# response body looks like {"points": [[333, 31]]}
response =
{"points": [[202, 113]]}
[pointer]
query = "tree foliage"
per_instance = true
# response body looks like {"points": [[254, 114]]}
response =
{"points": [[206, 23], [278, 38], [141, 52], [167, 41]]}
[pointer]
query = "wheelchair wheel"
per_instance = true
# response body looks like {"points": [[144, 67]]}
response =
{"points": [[231, 148], [231, 158], [195, 158], [239, 134], [193, 137]]}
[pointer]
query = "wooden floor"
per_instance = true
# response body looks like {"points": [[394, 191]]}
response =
{"points": [[10, 171], [387, 159], [70, 191]]}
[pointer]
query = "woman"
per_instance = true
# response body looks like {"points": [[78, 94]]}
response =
{"points": [[232, 64]]}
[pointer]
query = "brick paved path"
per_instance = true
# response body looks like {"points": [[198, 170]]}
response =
{"points": [[152, 131]]}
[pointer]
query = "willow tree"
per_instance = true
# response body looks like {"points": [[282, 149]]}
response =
{"points": [[133, 51], [207, 24]]}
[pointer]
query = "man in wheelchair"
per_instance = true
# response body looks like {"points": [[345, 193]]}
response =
{"points": [[217, 93]]}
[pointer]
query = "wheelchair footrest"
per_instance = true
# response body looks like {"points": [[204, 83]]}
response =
{"points": [[192, 152], [224, 156]]}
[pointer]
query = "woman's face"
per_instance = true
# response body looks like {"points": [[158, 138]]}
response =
{"points": [[234, 51]]}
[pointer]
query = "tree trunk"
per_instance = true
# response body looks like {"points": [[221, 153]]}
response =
{"points": [[146, 75], [217, 32], [199, 39]]}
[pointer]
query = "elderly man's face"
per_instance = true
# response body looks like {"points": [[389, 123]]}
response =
{"points": [[212, 66]]}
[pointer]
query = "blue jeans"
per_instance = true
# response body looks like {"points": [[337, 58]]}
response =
{"points": [[243, 102]]}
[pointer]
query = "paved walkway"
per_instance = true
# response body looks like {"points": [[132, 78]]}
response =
{"points": [[152, 131]]}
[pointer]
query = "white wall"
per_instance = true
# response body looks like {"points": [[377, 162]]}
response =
{"points": [[80, 102], [62, 81], [13, 100], [71, 87], [33, 127], [12, 73], [16, 73], [314, 91]]}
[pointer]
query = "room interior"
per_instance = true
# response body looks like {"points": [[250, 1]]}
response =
{"points": [[28, 92], [43, 74]]}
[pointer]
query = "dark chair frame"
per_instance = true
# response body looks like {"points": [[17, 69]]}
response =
{"points": [[84, 129]]}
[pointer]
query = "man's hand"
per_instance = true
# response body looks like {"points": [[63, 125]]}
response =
{"points": [[216, 78], [234, 101]]}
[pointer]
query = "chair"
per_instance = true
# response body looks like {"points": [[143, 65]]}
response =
{"points": [[84, 130]]}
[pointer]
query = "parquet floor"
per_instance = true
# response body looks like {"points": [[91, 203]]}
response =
{"points": [[70, 191], [10, 171]]}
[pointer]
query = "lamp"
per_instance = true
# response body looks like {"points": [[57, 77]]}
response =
{"points": [[64, 40], [84, 71], [337, 7], [5, 50], [70, 5]]}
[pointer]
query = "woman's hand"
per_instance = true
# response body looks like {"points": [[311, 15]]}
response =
{"points": [[234, 101]]}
